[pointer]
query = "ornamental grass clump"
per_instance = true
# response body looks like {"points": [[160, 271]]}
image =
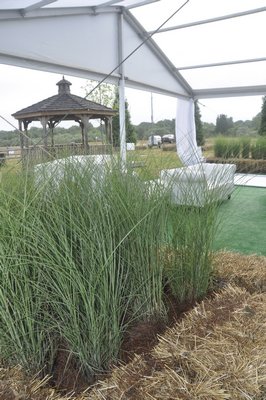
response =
{"points": [[192, 225], [188, 258], [25, 334], [82, 260], [104, 267], [79, 262]]}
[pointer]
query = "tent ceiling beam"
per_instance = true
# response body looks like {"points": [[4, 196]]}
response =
{"points": [[83, 73], [154, 89], [57, 12], [210, 20], [56, 68], [219, 64], [156, 50], [108, 3], [142, 3], [230, 92], [36, 6]]}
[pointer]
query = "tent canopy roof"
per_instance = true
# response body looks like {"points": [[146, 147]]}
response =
{"points": [[211, 49]]}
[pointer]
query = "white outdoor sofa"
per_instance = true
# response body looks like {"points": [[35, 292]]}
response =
{"points": [[199, 184], [55, 171]]}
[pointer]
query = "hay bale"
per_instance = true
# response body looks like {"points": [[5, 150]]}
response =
{"points": [[248, 271]]}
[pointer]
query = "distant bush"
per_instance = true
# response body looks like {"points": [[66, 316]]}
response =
{"points": [[234, 148], [250, 159], [258, 150], [240, 148], [221, 149], [246, 147]]}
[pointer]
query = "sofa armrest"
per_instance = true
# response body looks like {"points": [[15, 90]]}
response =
{"points": [[184, 174], [219, 173]]}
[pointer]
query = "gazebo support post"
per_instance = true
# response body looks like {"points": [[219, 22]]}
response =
{"points": [[44, 121], [24, 141], [85, 123], [52, 136], [108, 129], [110, 123], [26, 124], [21, 136], [51, 125], [82, 130]]}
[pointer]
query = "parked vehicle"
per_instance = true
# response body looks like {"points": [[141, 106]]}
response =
{"points": [[154, 140], [168, 138]]}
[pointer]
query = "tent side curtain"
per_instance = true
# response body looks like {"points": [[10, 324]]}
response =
{"points": [[186, 143]]}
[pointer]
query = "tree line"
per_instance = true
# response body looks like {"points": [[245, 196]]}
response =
{"points": [[224, 125]]}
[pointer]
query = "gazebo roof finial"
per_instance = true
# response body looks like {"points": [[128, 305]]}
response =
{"points": [[63, 86]]}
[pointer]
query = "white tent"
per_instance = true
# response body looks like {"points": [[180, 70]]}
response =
{"points": [[101, 39]]}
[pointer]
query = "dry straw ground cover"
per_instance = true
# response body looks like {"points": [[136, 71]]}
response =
{"points": [[216, 352], [244, 271]]}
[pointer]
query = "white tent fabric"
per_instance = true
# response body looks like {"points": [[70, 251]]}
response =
{"points": [[186, 144], [97, 39], [87, 45]]}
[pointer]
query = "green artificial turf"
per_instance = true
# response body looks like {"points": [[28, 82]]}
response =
{"points": [[242, 222]]}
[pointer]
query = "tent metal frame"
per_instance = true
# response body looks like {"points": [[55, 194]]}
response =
{"points": [[36, 10], [119, 74]]}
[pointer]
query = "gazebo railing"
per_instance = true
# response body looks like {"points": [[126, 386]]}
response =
{"points": [[39, 154]]}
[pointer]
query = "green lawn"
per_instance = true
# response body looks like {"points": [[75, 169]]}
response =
{"points": [[152, 161], [243, 222]]}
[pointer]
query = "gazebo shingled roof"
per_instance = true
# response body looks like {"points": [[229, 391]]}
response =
{"points": [[64, 102], [63, 106]]}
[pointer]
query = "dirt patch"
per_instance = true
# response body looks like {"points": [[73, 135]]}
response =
{"points": [[143, 336], [66, 376]]}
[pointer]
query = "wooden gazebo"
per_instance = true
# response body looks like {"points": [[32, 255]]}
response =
{"points": [[62, 107]]}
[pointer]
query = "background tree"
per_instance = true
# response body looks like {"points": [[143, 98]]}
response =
{"points": [[208, 129], [131, 136], [199, 127], [103, 94], [262, 128], [223, 124]]}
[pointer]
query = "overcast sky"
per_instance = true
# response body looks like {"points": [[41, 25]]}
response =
{"points": [[238, 38]]}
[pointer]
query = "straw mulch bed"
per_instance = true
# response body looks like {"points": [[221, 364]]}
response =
{"points": [[244, 271], [15, 386], [216, 352]]}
